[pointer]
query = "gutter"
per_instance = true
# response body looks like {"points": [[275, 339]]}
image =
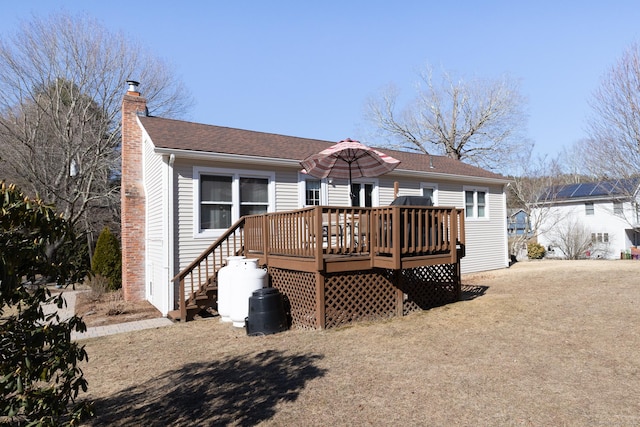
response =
{"points": [[293, 163]]}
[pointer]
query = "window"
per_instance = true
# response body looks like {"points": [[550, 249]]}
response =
{"points": [[588, 208], [215, 201], [431, 191], [475, 203], [312, 192], [599, 237], [617, 208], [254, 196], [222, 196]]}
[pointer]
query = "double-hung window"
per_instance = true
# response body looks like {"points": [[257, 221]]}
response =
{"points": [[254, 196], [588, 208], [215, 201], [617, 209], [312, 192], [222, 196], [475, 203]]}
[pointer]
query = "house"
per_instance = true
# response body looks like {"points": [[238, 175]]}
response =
{"points": [[598, 219], [185, 184]]}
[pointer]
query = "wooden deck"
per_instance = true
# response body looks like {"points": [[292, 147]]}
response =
{"points": [[373, 250]]}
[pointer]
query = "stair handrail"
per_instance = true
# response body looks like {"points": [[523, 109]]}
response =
{"points": [[203, 257]]}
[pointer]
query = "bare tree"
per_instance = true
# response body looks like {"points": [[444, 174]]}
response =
{"points": [[533, 189], [572, 238], [614, 128], [61, 84], [478, 121]]}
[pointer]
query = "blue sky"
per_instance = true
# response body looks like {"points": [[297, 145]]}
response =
{"points": [[306, 68]]}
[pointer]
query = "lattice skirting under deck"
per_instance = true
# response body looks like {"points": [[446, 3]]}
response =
{"points": [[365, 295], [358, 296], [429, 286], [299, 290]]}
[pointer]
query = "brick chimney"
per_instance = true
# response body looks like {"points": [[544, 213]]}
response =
{"points": [[132, 196]]}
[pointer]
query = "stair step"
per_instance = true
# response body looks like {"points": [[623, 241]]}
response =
{"points": [[174, 315]]}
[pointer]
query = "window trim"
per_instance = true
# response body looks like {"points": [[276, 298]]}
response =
{"points": [[302, 189], [235, 175], [434, 187], [375, 191], [589, 209], [475, 190], [618, 208]]}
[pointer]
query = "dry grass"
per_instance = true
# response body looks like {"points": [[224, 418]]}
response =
{"points": [[551, 343]]}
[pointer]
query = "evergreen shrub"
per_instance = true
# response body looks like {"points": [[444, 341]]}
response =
{"points": [[107, 259]]}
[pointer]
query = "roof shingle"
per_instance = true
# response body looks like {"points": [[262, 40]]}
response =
{"points": [[181, 135]]}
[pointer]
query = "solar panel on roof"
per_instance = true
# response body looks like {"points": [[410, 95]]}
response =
{"points": [[565, 191], [584, 190], [622, 187]]}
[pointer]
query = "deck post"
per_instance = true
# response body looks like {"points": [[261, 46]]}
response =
{"points": [[457, 221], [183, 300], [397, 278], [317, 213], [453, 236], [320, 301], [396, 231], [266, 236]]}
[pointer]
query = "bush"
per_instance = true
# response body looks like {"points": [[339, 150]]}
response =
{"points": [[98, 285], [535, 251], [107, 259], [40, 376]]}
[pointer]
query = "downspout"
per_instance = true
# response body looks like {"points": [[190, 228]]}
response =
{"points": [[504, 224], [170, 234]]}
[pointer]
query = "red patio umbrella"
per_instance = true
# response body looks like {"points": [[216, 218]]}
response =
{"points": [[349, 159]]}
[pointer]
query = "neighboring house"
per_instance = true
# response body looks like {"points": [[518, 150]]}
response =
{"points": [[184, 184], [518, 223], [603, 214]]}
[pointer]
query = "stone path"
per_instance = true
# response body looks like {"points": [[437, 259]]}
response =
{"points": [[99, 331]]}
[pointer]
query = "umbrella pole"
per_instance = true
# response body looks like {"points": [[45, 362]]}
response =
{"points": [[350, 190]]}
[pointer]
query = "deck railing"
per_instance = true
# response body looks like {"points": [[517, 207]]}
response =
{"points": [[413, 231], [309, 232], [387, 235], [385, 231], [202, 271]]}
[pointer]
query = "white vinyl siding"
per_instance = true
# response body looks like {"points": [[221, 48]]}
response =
{"points": [[287, 190], [486, 244], [156, 258], [486, 247]]}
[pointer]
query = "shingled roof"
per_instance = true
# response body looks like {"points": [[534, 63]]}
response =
{"points": [[181, 135]]}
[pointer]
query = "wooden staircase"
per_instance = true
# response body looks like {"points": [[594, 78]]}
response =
{"points": [[197, 283]]}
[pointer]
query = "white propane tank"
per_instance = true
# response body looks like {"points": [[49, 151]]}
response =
{"points": [[248, 278], [226, 279]]}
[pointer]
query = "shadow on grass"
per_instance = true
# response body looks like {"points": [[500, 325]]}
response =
{"points": [[470, 292], [241, 390]]}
